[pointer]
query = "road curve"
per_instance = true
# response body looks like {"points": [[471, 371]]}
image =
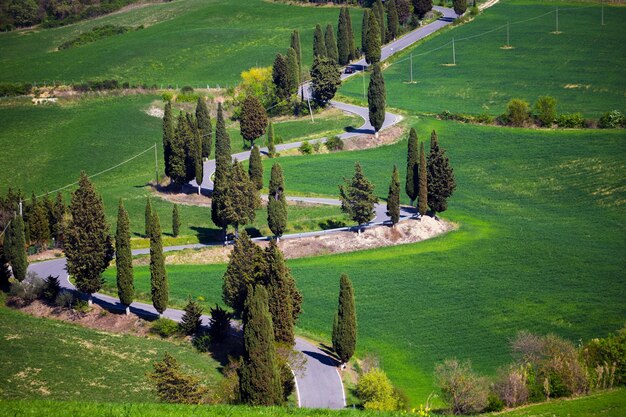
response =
{"points": [[319, 383]]}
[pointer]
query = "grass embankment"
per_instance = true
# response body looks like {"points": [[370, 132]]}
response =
{"points": [[582, 67], [192, 42]]}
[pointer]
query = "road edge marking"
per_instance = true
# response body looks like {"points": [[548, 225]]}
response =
{"points": [[295, 378], [343, 389]]}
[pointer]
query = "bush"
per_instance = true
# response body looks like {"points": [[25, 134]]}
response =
{"points": [[187, 97], [28, 290], [186, 89], [51, 288], [316, 147], [173, 385], [81, 305], [474, 11], [605, 360], [485, 119], [545, 110], [512, 386], [570, 120], [167, 96], [202, 342], [517, 112], [494, 403], [306, 148], [17, 89], [219, 323], [164, 327], [334, 144], [611, 120], [375, 390], [461, 388], [64, 299]]}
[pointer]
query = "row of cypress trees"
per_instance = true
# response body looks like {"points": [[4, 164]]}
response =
{"points": [[340, 51]]}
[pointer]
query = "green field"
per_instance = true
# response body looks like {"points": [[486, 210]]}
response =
{"points": [[582, 67], [190, 42]]}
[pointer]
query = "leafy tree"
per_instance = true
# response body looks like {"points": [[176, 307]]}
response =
{"points": [[15, 247], [295, 44], [379, 12], [260, 382], [441, 183], [173, 385], [331, 45], [357, 198], [191, 321], [245, 268], [205, 128], [460, 6], [277, 203], [372, 47], [242, 198], [393, 198], [545, 109], [271, 149], [344, 326], [376, 392], [325, 79], [404, 11], [255, 168], [24, 12], [319, 48], [422, 197], [88, 247], [280, 77], [412, 164], [219, 323], [158, 274], [38, 224], [253, 119], [364, 29], [148, 217], [421, 7], [222, 172], [293, 71], [124, 258], [376, 98], [168, 136], [393, 22], [175, 221]]}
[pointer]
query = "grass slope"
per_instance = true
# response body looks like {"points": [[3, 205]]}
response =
{"points": [[582, 67], [191, 42]]}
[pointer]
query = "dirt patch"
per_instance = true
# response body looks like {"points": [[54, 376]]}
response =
{"points": [[386, 137], [45, 255], [155, 111], [193, 199]]}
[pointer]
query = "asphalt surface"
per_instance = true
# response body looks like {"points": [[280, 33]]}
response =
{"points": [[319, 383]]}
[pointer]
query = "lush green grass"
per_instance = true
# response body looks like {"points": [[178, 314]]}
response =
{"points": [[582, 67], [191, 42], [54, 360]]}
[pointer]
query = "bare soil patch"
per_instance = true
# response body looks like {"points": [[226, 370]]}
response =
{"points": [[46, 255], [386, 137]]}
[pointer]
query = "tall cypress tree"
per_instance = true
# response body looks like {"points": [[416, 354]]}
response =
{"points": [[178, 155], [205, 128], [293, 71], [277, 203], [271, 148], [253, 119], [331, 44], [422, 198], [364, 26], [344, 326], [193, 149], [393, 22], [148, 217], [38, 224], [393, 198], [376, 98], [441, 183], [15, 246], [259, 377], [372, 47], [197, 159], [379, 12], [357, 198], [124, 258], [158, 274], [343, 43], [88, 246], [5, 273], [58, 215], [295, 44], [242, 198], [255, 168], [412, 164], [350, 35], [222, 171], [175, 221], [168, 135], [280, 77], [319, 49]]}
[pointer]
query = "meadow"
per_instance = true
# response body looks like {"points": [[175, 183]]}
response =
{"points": [[208, 42], [582, 67]]}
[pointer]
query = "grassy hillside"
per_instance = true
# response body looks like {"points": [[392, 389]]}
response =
{"points": [[191, 42], [582, 67]]}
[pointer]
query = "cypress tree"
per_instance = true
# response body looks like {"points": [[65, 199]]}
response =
{"points": [[148, 217], [271, 149], [198, 161], [48, 208], [178, 156], [246, 266], [255, 168], [344, 326], [38, 224], [441, 183], [280, 77], [393, 22], [293, 71], [242, 198], [222, 172], [253, 119], [357, 198], [5, 273], [295, 44], [422, 198], [158, 274], [15, 246], [343, 43], [379, 12], [421, 7], [276, 202], [124, 258], [193, 149], [350, 36], [376, 97], [191, 321], [259, 377], [319, 49], [460, 6], [59, 212], [331, 45], [88, 246], [393, 198], [223, 157], [364, 26], [280, 285], [412, 164], [168, 136], [205, 128], [175, 221], [372, 47]]}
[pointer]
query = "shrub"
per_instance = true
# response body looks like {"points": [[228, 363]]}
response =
{"points": [[605, 360], [202, 342], [17, 89], [187, 97], [375, 390], [186, 89], [517, 112], [494, 403], [28, 290], [334, 144], [51, 288], [316, 147], [590, 123], [306, 148], [64, 299], [512, 386], [461, 388], [219, 323], [81, 305], [545, 110], [164, 327], [192, 319], [570, 120], [173, 385], [167, 96], [611, 120], [484, 118]]}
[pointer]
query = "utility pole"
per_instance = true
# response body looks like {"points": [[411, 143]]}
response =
{"points": [[364, 83], [602, 13], [156, 165], [557, 21], [21, 214], [310, 111], [411, 68], [453, 53], [508, 38]]}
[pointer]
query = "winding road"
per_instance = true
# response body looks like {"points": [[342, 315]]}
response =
{"points": [[319, 384]]}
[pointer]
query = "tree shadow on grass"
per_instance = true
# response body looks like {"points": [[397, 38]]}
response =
{"points": [[330, 224]]}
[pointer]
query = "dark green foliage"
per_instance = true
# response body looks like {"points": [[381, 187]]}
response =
{"points": [[325, 79], [293, 71], [88, 247], [242, 197], [421, 7], [198, 162], [57, 219], [357, 198], [344, 326], [193, 150], [148, 217], [178, 156], [271, 149], [277, 203], [5, 273], [295, 44], [441, 182], [393, 23], [259, 376], [245, 268], [412, 164], [205, 128], [15, 247], [222, 171], [253, 119], [158, 274], [96, 33], [350, 35], [364, 26], [376, 98], [404, 11], [173, 385], [164, 327], [330, 43], [51, 288], [219, 323], [38, 224], [422, 197], [255, 168], [334, 144], [345, 38], [192, 318], [280, 77], [605, 354], [319, 48], [124, 258], [393, 198], [612, 119], [372, 47], [175, 221], [379, 11], [168, 136], [518, 112], [460, 6]]}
